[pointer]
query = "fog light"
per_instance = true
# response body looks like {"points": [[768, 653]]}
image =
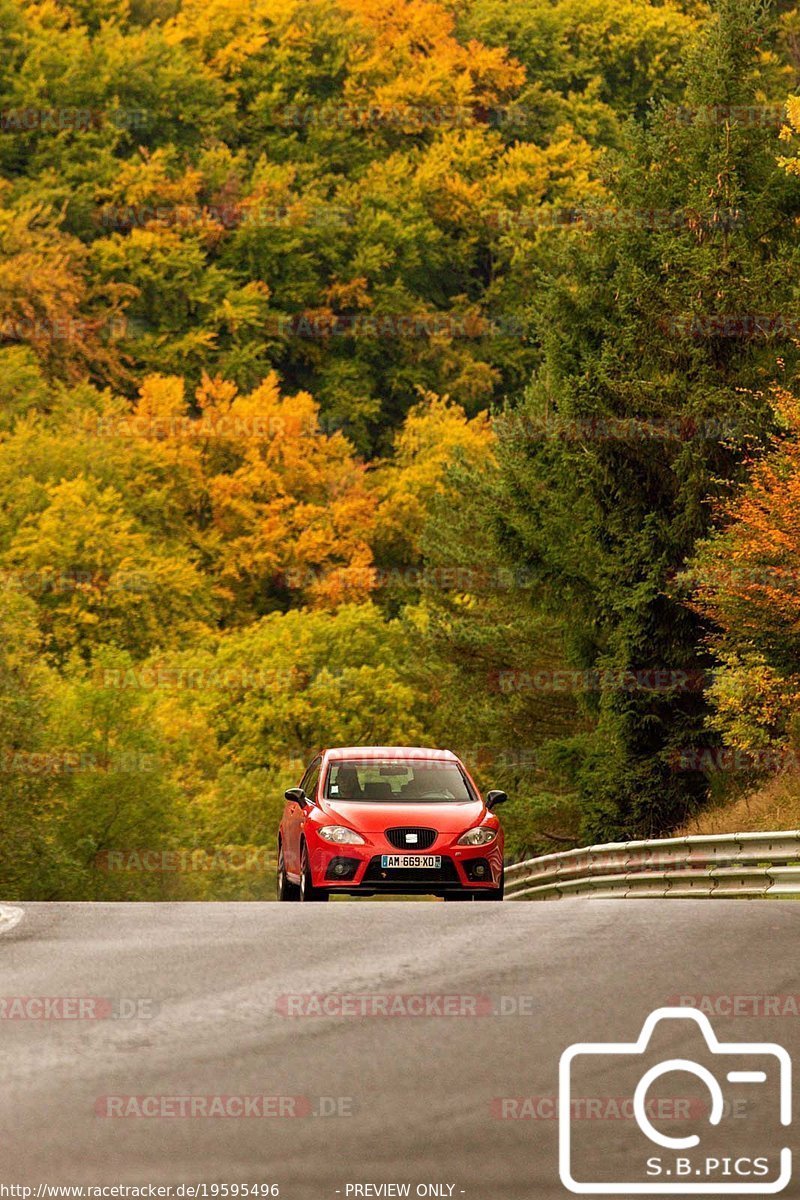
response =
{"points": [[342, 868], [478, 870]]}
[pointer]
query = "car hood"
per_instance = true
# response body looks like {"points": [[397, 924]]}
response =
{"points": [[374, 817]]}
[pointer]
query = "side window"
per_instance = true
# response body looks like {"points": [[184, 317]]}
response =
{"points": [[311, 778]]}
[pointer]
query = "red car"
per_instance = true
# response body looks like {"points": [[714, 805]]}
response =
{"points": [[389, 820]]}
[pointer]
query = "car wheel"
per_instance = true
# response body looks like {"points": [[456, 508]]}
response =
{"points": [[286, 889], [492, 893], [307, 890]]}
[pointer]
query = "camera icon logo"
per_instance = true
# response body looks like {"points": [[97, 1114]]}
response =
{"points": [[740, 1159]]}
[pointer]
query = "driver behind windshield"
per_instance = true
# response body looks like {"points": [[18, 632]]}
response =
{"points": [[409, 781], [347, 784]]}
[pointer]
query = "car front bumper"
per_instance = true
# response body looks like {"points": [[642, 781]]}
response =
{"points": [[358, 869]]}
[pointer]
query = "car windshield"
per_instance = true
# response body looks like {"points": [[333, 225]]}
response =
{"points": [[415, 780]]}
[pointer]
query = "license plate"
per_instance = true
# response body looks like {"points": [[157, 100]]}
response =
{"points": [[411, 860]]}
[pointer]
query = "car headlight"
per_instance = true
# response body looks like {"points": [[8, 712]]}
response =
{"points": [[477, 837], [340, 835]]}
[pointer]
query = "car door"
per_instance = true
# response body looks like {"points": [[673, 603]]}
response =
{"points": [[296, 817]]}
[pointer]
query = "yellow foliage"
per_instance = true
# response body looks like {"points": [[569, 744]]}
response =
{"points": [[43, 293], [152, 179], [161, 402], [412, 58], [286, 501], [790, 131], [436, 434]]}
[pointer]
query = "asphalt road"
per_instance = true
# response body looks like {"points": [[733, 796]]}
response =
{"points": [[416, 1099]]}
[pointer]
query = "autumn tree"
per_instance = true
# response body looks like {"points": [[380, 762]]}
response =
{"points": [[435, 436], [283, 513], [746, 580], [31, 863], [249, 709], [657, 343]]}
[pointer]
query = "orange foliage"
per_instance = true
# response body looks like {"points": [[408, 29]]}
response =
{"points": [[45, 301], [286, 503], [749, 576]]}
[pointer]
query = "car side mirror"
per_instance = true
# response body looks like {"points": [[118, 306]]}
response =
{"points": [[494, 798], [297, 795]]}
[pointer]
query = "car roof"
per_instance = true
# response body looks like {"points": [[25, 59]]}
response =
{"points": [[338, 752]]}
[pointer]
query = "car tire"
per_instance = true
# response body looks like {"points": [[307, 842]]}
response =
{"points": [[493, 893], [309, 893], [452, 896], [286, 889]]}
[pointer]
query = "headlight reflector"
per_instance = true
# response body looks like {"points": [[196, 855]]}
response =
{"points": [[340, 835], [477, 837]]}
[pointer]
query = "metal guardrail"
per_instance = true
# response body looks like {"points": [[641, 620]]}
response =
{"points": [[725, 866], [9, 917]]}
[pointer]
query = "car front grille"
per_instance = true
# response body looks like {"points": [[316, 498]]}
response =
{"points": [[399, 838]]}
